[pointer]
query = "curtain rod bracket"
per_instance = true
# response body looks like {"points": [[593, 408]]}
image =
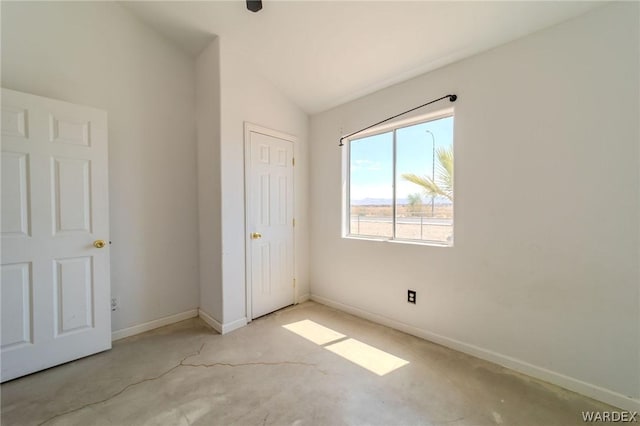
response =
{"points": [[452, 98]]}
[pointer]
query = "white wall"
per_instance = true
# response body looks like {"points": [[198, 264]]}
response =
{"points": [[209, 202], [97, 54], [246, 96], [544, 273]]}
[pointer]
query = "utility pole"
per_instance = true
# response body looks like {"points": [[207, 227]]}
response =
{"points": [[433, 166]]}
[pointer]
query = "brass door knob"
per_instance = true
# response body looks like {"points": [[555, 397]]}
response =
{"points": [[256, 235], [99, 243]]}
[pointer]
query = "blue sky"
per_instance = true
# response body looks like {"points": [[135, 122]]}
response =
{"points": [[372, 157]]}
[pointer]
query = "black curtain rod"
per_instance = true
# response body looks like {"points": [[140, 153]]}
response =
{"points": [[452, 98]]}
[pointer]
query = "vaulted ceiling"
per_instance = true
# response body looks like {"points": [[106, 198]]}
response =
{"points": [[323, 53]]}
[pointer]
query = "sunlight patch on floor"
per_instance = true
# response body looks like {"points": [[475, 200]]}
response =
{"points": [[313, 331], [375, 360]]}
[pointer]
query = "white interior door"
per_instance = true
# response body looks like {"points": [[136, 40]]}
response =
{"points": [[269, 221], [54, 281]]}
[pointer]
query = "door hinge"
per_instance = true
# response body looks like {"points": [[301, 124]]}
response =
{"points": [[294, 222], [293, 161], [294, 283]]}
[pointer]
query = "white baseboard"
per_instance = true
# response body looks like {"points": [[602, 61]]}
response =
{"points": [[593, 391], [210, 320], [160, 322], [303, 298], [233, 325], [221, 328]]}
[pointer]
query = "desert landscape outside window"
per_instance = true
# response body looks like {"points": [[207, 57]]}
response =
{"points": [[400, 182]]}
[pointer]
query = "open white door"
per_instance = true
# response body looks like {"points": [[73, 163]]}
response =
{"points": [[269, 194], [55, 233]]}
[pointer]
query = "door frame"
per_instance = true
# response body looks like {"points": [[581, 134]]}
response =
{"points": [[248, 129]]}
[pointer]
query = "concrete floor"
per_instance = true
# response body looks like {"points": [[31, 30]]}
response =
{"points": [[265, 374]]}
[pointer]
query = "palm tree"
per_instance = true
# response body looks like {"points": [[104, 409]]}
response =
{"points": [[441, 185]]}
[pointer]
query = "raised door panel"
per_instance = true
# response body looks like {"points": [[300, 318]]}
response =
{"points": [[282, 158], [69, 131], [279, 266], [17, 306], [264, 198], [73, 294], [71, 197], [15, 122], [280, 201], [264, 271], [15, 195], [265, 154]]}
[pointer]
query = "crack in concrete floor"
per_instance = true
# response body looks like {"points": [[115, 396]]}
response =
{"points": [[175, 367], [448, 422], [440, 387]]}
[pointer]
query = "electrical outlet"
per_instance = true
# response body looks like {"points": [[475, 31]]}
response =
{"points": [[411, 296], [114, 304]]}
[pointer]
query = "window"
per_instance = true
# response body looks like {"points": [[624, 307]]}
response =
{"points": [[400, 182]]}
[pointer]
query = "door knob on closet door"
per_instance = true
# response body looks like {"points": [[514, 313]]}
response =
{"points": [[99, 243], [256, 235]]}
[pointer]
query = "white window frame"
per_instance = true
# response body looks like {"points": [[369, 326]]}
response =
{"points": [[346, 199]]}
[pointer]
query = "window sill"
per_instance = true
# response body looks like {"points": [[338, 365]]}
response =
{"points": [[388, 240]]}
